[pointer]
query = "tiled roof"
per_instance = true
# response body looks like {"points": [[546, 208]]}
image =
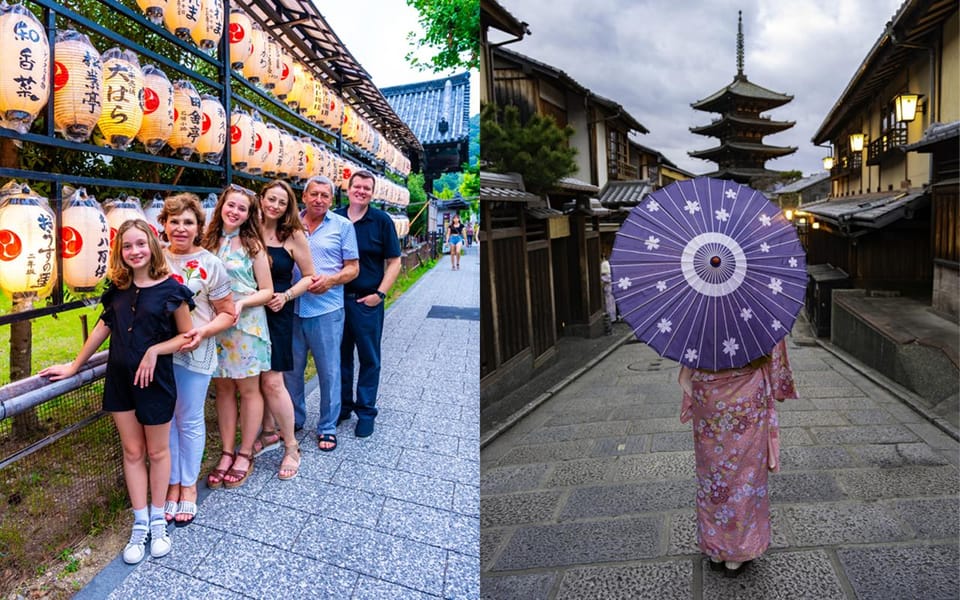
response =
{"points": [[743, 88], [935, 134], [575, 185], [868, 210], [438, 111], [624, 193], [505, 187], [802, 184]]}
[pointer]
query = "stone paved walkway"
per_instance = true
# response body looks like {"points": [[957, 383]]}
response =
{"points": [[592, 494], [393, 516]]}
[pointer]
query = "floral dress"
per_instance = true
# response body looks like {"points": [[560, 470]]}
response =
{"points": [[243, 349], [203, 273], [736, 442]]}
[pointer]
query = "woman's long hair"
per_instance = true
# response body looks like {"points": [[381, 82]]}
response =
{"points": [[119, 272], [290, 221], [250, 235]]}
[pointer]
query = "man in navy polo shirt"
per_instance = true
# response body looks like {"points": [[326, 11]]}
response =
{"points": [[363, 301]]}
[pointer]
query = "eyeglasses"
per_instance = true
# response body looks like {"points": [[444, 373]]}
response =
{"points": [[239, 188]]}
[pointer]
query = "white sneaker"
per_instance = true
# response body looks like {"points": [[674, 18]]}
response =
{"points": [[159, 540], [732, 565], [136, 548]]}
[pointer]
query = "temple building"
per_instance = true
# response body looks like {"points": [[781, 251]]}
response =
{"points": [[741, 153]]}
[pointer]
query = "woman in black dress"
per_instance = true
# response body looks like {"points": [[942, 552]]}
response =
{"points": [[287, 247]]}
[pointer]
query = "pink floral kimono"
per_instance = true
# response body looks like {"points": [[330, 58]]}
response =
{"points": [[736, 440]]}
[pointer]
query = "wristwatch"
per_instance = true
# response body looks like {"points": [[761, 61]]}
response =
{"points": [[380, 295]]}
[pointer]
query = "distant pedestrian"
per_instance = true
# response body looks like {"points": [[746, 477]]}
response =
{"points": [[469, 234], [143, 311], [736, 441], [455, 241], [363, 301], [607, 282]]}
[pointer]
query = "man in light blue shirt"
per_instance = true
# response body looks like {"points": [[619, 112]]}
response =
{"points": [[318, 319]]}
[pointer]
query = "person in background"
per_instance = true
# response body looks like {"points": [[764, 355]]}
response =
{"points": [[607, 281], [455, 241], [318, 320], [363, 301], [143, 311], [469, 234]]}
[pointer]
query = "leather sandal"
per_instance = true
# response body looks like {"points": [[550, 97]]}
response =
{"points": [[291, 451], [215, 478], [237, 473], [267, 440]]}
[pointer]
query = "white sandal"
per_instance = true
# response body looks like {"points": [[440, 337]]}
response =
{"points": [[186, 508], [169, 510]]}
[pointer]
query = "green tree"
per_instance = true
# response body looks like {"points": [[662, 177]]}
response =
{"points": [[416, 210], [452, 29], [538, 149]]}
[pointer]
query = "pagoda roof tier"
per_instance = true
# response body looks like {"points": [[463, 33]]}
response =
{"points": [[735, 122], [741, 174], [726, 149], [741, 92]]}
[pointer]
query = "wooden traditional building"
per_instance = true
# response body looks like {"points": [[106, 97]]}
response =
{"points": [[741, 154]]}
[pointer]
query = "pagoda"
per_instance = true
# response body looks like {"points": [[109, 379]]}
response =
{"points": [[741, 154]]}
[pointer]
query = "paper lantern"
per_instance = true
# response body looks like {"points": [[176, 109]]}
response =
{"points": [[157, 126], [260, 148], [121, 210], [122, 112], [271, 140], [181, 16], [292, 155], [347, 167], [152, 214], [213, 131], [208, 204], [255, 67], [331, 114], [84, 242], [349, 123], [77, 84], [295, 92], [209, 28], [27, 242], [25, 77], [153, 9], [285, 84], [309, 106], [271, 76], [187, 118], [240, 37], [241, 139], [310, 155]]}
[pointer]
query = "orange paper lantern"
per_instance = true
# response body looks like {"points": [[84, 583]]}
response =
{"points": [[274, 158], [213, 131], [187, 118], [77, 84], [181, 16], [209, 28], [153, 9], [240, 37], [241, 139], [295, 92], [25, 77], [309, 106], [261, 149], [157, 126], [122, 112], [28, 262], [256, 65], [332, 110], [84, 242]]}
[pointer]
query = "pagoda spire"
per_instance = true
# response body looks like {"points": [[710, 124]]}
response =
{"points": [[739, 44]]}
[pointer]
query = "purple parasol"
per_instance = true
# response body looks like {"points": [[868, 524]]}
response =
{"points": [[708, 273]]}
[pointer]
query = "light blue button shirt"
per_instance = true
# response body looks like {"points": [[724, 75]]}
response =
{"points": [[331, 243]]}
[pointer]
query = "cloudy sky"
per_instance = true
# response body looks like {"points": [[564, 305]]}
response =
{"points": [[656, 57], [375, 32]]}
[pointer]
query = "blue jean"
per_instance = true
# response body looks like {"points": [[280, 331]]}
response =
{"points": [[362, 329], [321, 336], [188, 430]]}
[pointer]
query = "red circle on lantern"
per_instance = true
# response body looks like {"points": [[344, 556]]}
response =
{"points": [[71, 242], [269, 147], [151, 101], [235, 134], [346, 173], [113, 234], [10, 245], [176, 115], [236, 32], [60, 75], [285, 72], [257, 142], [206, 123]]}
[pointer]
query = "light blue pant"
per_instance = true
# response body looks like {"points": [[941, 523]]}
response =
{"points": [[321, 335], [188, 430]]}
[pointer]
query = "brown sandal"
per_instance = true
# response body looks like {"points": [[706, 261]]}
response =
{"points": [[243, 475], [291, 451], [215, 478], [267, 440]]}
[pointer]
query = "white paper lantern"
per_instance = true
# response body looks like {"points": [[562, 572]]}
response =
{"points": [[77, 85], [121, 210], [187, 118], [213, 131], [28, 262], [152, 214], [25, 77], [84, 242], [209, 28]]}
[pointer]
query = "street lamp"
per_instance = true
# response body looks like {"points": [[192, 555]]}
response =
{"points": [[856, 142], [828, 163], [905, 107]]}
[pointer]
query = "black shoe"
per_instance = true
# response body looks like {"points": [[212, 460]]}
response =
{"points": [[364, 428], [297, 428]]}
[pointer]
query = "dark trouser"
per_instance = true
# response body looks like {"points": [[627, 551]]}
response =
{"points": [[362, 329]]}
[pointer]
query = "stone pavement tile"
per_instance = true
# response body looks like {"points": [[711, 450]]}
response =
{"points": [[456, 428], [802, 458], [807, 418], [662, 425], [395, 484], [251, 518], [651, 581], [826, 524], [578, 472], [803, 487], [933, 518], [933, 436], [440, 528], [795, 436], [332, 501], [628, 499], [672, 441], [876, 416], [438, 466], [349, 447], [259, 571], [515, 509], [577, 417], [620, 446], [920, 571], [683, 531], [491, 540], [845, 401], [564, 433], [443, 396], [581, 543], [142, 583], [807, 363], [901, 482], [462, 579], [517, 587], [820, 378], [864, 434], [903, 413], [468, 449], [786, 575], [512, 478], [190, 546], [658, 410], [369, 588], [418, 440], [547, 452], [314, 465], [796, 405], [466, 499], [393, 417], [375, 554], [897, 455], [652, 467], [401, 395]]}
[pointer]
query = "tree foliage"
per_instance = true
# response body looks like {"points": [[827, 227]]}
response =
{"points": [[418, 197], [452, 29], [538, 149]]}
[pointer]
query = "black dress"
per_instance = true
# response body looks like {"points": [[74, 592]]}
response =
{"points": [[139, 318], [281, 323]]}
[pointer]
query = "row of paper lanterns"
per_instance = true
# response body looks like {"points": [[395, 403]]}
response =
{"points": [[28, 241]]}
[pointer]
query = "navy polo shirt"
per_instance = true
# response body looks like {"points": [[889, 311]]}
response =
{"points": [[377, 241]]}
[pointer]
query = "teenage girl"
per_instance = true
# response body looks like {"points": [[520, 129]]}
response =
{"points": [[143, 311], [455, 239]]}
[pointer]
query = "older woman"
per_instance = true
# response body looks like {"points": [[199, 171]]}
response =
{"points": [[205, 275]]}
